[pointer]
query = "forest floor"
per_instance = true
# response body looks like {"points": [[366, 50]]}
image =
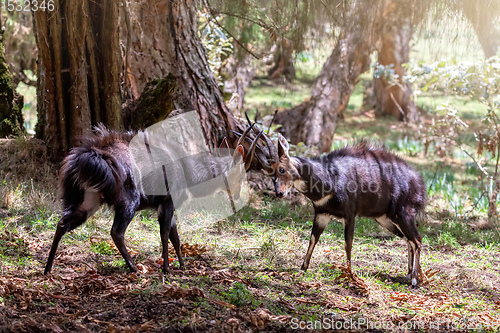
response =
{"points": [[242, 273]]}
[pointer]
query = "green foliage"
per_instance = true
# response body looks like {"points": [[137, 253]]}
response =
{"points": [[478, 81], [386, 72], [304, 56], [29, 108], [42, 219], [269, 248], [218, 46], [238, 294], [447, 239], [440, 182], [103, 247], [407, 146], [14, 250]]}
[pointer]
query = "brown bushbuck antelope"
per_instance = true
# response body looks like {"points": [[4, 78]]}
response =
{"points": [[362, 180], [100, 171]]}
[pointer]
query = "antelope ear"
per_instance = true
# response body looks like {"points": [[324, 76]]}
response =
{"points": [[282, 146], [239, 154], [223, 148]]}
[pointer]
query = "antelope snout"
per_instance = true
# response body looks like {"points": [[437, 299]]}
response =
{"points": [[279, 192], [278, 188]]}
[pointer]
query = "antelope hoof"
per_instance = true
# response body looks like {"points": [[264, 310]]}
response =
{"points": [[414, 281]]}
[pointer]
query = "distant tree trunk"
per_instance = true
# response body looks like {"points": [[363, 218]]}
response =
{"points": [[237, 75], [78, 71], [315, 120], [394, 99], [173, 53], [20, 47], [238, 70], [483, 16], [11, 103], [492, 204], [283, 62]]}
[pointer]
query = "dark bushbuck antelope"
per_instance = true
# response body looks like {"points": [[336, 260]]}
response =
{"points": [[361, 180], [100, 171]]}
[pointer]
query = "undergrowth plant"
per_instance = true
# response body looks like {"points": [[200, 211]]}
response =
{"points": [[479, 81], [217, 44]]}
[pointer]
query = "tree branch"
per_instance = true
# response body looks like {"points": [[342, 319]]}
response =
{"points": [[212, 16]]}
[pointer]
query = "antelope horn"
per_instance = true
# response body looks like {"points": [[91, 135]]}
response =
{"points": [[261, 152], [272, 121], [247, 139], [270, 146], [268, 169], [272, 149], [262, 156], [255, 129], [251, 151], [248, 119], [262, 149], [240, 140]]}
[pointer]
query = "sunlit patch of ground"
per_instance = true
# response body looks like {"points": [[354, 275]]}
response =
{"points": [[242, 274]]}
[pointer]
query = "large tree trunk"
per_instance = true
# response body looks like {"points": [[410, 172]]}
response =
{"points": [[173, 53], [11, 103], [394, 98], [78, 71], [315, 120], [143, 33], [483, 16]]}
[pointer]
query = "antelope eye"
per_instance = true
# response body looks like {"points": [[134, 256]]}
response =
{"points": [[281, 171]]}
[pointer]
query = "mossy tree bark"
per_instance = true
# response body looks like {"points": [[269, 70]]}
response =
{"points": [[166, 36], [11, 103], [78, 71]]}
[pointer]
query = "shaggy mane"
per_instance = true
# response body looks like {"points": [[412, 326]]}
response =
{"points": [[363, 148], [102, 137]]}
